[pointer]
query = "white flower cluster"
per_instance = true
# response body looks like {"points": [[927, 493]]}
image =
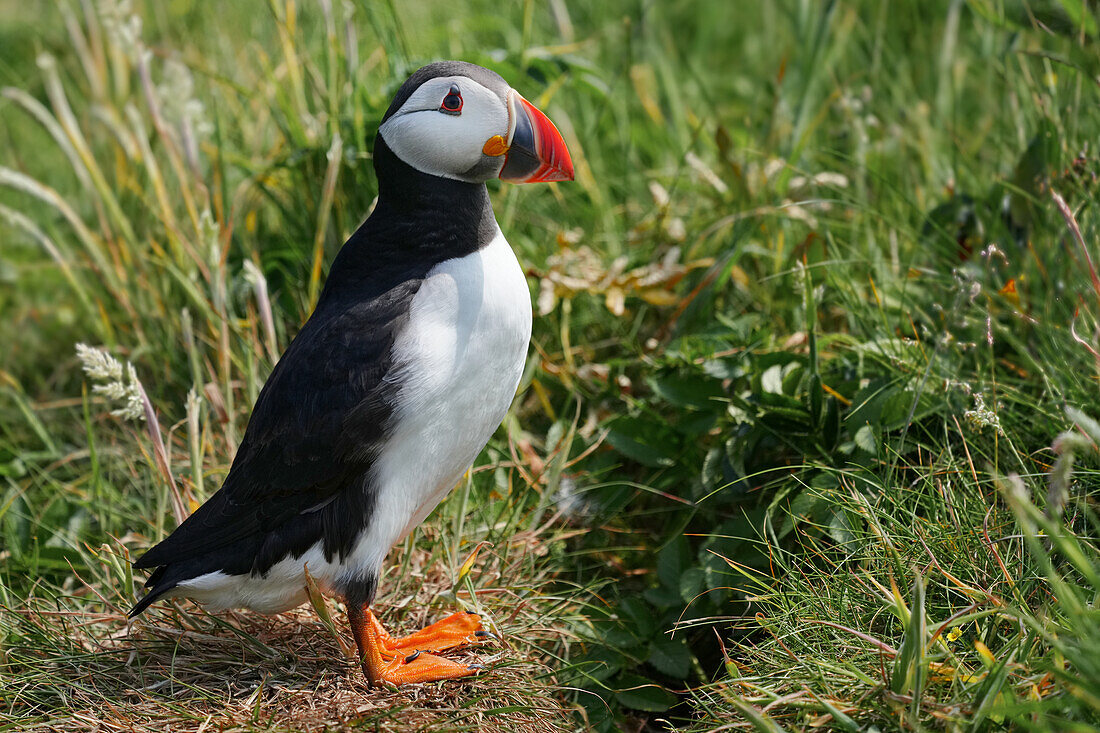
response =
{"points": [[118, 382], [982, 417], [176, 94], [123, 26]]}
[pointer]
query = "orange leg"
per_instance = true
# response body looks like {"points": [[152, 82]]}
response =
{"points": [[386, 664]]}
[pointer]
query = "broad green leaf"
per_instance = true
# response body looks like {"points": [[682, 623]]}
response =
{"points": [[630, 437], [840, 527], [772, 379], [638, 616], [663, 597], [692, 583], [638, 693], [600, 662], [672, 560], [689, 390], [671, 657], [803, 506], [867, 440], [895, 409]]}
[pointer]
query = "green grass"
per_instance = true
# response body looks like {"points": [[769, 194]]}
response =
{"points": [[804, 438]]}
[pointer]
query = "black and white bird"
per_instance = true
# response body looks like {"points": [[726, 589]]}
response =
{"points": [[394, 385]]}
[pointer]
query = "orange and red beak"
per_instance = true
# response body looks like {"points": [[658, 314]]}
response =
{"points": [[536, 152]]}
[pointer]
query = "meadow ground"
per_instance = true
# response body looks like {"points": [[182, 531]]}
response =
{"points": [[807, 438]]}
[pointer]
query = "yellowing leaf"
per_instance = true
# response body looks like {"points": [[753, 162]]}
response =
{"points": [[986, 655], [469, 562], [645, 81], [656, 296]]}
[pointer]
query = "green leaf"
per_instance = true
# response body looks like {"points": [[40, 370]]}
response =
{"points": [[786, 420], [815, 397], [760, 720], [895, 409], [910, 666], [1031, 173], [639, 441], [991, 694], [600, 663], [692, 583], [1079, 12], [638, 616], [713, 472], [867, 404], [867, 440], [45, 559], [1065, 17], [14, 524], [671, 657], [792, 377], [803, 506], [638, 693], [690, 390], [672, 560], [616, 633], [830, 429], [14, 468], [663, 597], [840, 527]]}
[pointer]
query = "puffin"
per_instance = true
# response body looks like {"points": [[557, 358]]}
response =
{"points": [[390, 390]]}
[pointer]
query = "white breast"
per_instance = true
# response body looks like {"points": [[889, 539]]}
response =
{"points": [[458, 362]]}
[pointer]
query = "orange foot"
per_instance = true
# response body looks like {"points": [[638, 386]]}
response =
{"points": [[389, 660], [456, 630]]}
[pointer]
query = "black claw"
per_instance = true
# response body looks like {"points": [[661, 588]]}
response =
{"points": [[482, 633], [478, 667], [471, 613], [412, 657]]}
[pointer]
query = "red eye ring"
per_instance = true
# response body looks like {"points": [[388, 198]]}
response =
{"points": [[452, 103]]}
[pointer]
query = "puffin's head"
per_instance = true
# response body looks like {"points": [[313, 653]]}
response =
{"points": [[461, 121]]}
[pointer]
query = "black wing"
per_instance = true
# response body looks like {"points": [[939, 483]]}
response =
{"points": [[306, 454]]}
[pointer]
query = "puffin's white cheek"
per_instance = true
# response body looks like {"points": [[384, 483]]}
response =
{"points": [[431, 142], [441, 144]]}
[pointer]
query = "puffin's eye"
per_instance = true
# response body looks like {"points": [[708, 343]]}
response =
{"points": [[452, 103]]}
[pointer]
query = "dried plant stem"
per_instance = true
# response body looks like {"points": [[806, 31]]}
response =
{"points": [[152, 425], [328, 195], [1075, 230], [1071, 223]]}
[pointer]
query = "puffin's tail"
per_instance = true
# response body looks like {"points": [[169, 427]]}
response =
{"points": [[158, 585]]}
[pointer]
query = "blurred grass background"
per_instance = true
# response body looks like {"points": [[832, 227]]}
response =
{"points": [[804, 440]]}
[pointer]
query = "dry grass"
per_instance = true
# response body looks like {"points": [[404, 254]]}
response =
{"points": [[81, 667]]}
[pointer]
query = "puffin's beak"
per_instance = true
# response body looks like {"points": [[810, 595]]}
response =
{"points": [[536, 152]]}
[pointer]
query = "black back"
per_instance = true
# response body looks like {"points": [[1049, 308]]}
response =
{"points": [[303, 472]]}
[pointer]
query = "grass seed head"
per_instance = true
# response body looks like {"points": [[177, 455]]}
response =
{"points": [[118, 382]]}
